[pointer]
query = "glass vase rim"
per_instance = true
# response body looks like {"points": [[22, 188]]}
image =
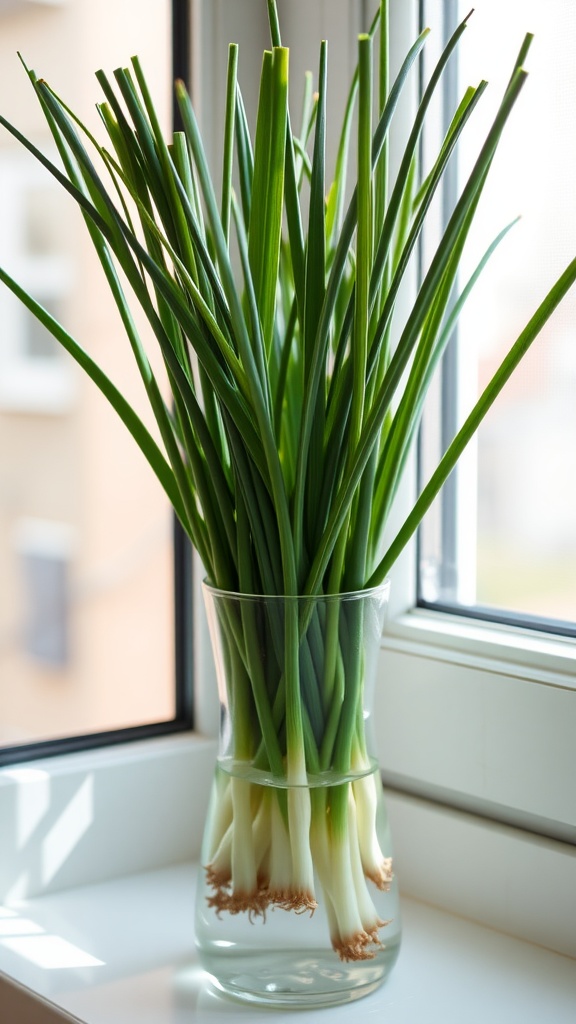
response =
{"points": [[345, 595]]}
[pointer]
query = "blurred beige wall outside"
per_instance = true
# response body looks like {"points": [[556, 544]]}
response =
{"points": [[73, 485]]}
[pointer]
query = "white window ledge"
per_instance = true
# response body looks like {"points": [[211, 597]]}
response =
{"points": [[122, 952]]}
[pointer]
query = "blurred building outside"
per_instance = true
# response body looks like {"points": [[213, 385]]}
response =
{"points": [[86, 612]]}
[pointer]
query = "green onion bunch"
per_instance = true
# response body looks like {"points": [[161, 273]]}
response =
{"points": [[296, 391]]}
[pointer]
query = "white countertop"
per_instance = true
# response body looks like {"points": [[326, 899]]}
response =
{"points": [[122, 952]]}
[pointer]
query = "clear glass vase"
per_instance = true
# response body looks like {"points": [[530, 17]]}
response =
{"points": [[297, 904]]}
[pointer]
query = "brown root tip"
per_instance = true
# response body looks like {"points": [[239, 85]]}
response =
{"points": [[287, 899], [383, 875], [355, 948], [252, 903], [217, 879]]}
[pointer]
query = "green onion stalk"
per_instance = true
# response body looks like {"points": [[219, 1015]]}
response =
{"points": [[296, 389]]}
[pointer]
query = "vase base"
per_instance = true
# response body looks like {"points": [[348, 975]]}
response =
{"points": [[307, 982]]}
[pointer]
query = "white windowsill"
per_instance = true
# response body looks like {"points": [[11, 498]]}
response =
{"points": [[141, 929]]}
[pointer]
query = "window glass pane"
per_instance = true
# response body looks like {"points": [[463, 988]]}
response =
{"points": [[504, 534], [86, 604]]}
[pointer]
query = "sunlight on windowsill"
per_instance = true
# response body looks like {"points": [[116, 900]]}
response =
{"points": [[50, 952]]}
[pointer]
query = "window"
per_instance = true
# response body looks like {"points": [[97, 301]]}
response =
{"points": [[477, 715], [86, 538], [501, 540]]}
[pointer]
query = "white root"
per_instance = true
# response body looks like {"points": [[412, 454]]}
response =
{"points": [[376, 866], [299, 820], [280, 883], [261, 837], [371, 922], [221, 813], [353, 919], [241, 892]]}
